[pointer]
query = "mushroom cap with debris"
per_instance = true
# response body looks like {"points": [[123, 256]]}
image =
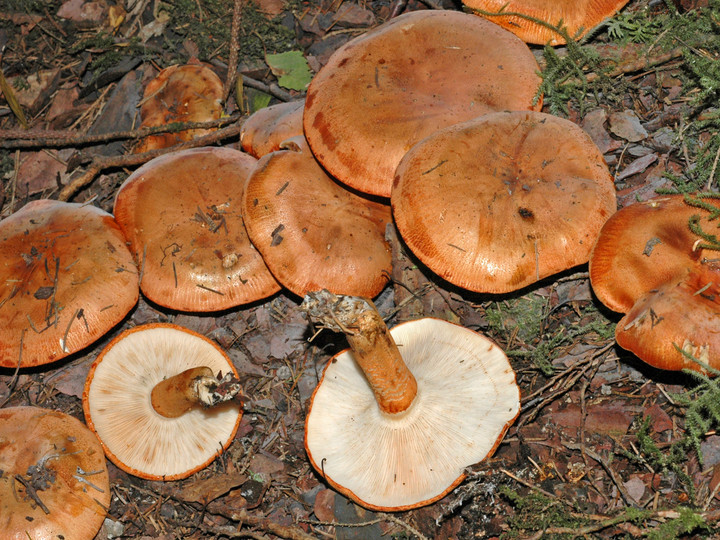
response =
{"points": [[118, 408], [181, 214], [53, 476], [466, 399], [67, 278]]}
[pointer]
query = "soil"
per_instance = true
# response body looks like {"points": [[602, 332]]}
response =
{"points": [[599, 449]]}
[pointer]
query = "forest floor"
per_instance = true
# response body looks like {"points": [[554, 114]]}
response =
{"points": [[600, 448]]}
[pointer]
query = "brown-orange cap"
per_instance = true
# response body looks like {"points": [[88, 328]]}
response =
{"points": [[63, 462], [578, 16], [640, 247], [265, 129], [504, 200], [181, 214], [383, 91], [312, 232], [680, 314], [67, 278], [179, 93]]}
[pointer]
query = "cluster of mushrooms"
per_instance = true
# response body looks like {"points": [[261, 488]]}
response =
{"points": [[428, 122]]}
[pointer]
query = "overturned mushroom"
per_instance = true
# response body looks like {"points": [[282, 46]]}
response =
{"points": [[157, 407], [53, 476], [395, 421], [499, 202], [67, 278]]}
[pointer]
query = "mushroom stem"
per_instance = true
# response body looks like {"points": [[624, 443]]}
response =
{"points": [[372, 345], [176, 395]]}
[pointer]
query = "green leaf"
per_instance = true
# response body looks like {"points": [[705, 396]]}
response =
{"points": [[291, 69]]}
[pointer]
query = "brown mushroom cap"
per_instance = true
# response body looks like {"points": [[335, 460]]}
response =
{"points": [[265, 129], [312, 232], [466, 399], [383, 91], [67, 278], [682, 313], [61, 459], [117, 403], [579, 16], [182, 217], [499, 202], [641, 247], [180, 93]]}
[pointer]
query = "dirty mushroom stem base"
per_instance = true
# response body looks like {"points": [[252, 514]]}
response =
{"points": [[176, 395], [372, 345]]}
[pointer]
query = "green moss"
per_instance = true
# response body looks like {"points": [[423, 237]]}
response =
{"points": [[536, 512]]}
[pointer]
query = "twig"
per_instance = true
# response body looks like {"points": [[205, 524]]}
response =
{"points": [[261, 522], [101, 163], [20, 138], [272, 89], [234, 47]]}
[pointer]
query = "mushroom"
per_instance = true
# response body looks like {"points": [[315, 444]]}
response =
{"points": [[67, 278], [152, 400], [266, 129], [312, 232], [504, 200], [577, 16], [53, 477], [180, 93], [396, 431], [383, 91], [641, 247], [676, 321], [182, 217]]}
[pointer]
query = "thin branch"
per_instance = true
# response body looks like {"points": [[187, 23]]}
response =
{"points": [[101, 163]]}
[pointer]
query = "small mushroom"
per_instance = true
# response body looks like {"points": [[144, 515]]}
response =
{"points": [[395, 421], [312, 232], [640, 247], [67, 278], [266, 129], [383, 91], [680, 315], [502, 201], [180, 93], [181, 214], [154, 403], [578, 16], [53, 477]]}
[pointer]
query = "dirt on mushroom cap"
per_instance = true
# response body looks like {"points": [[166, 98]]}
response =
{"points": [[68, 277]]}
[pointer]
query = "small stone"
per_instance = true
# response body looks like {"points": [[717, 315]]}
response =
{"points": [[626, 125]]}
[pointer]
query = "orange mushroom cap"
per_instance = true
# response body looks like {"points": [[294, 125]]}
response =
{"points": [[383, 91], [182, 217], [504, 200], [265, 129], [118, 407], [180, 93], [578, 16], [62, 460], [67, 278], [641, 247], [312, 232], [680, 314]]}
